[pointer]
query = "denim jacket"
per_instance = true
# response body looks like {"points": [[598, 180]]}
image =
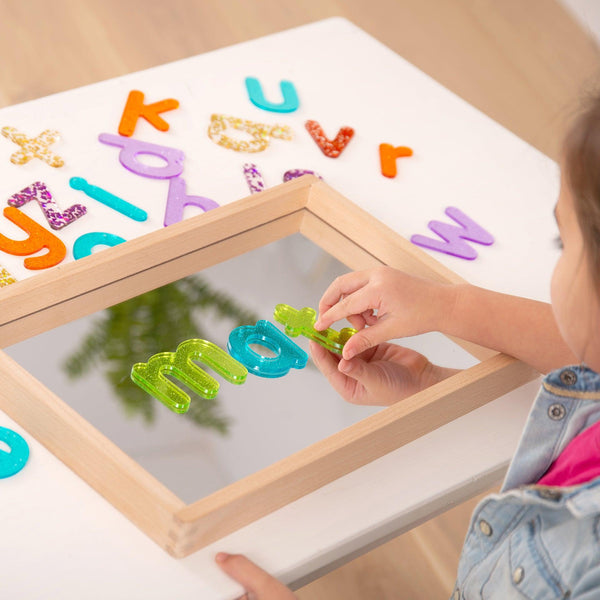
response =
{"points": [[534, 541]]}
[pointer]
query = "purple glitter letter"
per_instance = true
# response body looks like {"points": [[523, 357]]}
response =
{"points": [[177, 200], [453, 236], [294, 173], [254, 178], [130, 148], [39, 192]]}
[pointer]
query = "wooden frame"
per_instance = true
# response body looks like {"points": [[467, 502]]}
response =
{"points": [[306, 205]]}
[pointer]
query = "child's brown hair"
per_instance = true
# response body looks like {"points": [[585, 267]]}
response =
{"points": [[581, 170]]}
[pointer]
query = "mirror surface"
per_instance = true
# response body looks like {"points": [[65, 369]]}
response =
{"points": [[245, 428]]}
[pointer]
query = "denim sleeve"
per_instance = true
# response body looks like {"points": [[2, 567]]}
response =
{"points": [[588, 586]]}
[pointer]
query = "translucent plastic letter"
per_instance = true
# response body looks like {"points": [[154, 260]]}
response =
{"points": [[287, 354], [301, 322], [180, 364]]}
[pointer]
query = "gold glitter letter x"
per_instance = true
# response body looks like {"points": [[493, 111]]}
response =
{"points": [[37, 147]]}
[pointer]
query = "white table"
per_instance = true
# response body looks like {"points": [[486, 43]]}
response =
{"points": [[60, 538]]}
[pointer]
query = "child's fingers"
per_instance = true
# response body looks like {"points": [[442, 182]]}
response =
{"points": [[360, 302], [327, 363], [367, 338], [342, 286], [258, 583]]}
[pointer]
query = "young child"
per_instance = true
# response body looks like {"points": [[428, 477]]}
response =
{"points": [[540, 536]]}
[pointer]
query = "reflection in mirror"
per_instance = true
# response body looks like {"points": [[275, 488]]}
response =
{"points": [[245, 427]]}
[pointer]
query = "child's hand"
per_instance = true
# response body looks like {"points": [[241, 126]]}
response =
{"points": [[405, 306], [379, 376], [258, 584]]}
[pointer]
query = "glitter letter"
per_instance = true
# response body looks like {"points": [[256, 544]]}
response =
{"points": [[329, 148], [39, 192], [38, 147], [260, 132]]}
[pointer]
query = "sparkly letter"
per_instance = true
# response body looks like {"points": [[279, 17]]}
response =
{"points": [[260, 132], [39, 192], [329, 148]]}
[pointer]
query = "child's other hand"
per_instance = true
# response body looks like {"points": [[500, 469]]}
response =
{"points": [[404, 305], [259, 585], [379, 376]]}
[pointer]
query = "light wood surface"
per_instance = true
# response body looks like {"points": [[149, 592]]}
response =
{"points": [[162, 256], [523, 64]]}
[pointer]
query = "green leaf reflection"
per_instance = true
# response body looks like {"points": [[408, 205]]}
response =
{"points": [[156, 321]]}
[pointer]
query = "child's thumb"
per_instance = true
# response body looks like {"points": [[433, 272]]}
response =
{"points": [[257, 583], [361, 371], [366, 338]]}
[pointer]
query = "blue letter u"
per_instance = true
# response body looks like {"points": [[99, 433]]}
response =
{"points": [[288, 91]]}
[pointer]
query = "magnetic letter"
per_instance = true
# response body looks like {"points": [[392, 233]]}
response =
{"points": [[12, 462], [287, 354], [388, 155], [177, 200], [108, 199], [254, 178], [85, 243], [301, 322], [130, 148], [453, 236], [180, 364], [135, 108], [38, 239], [39, 192], [37, 147], [329, 148], [288, 91], [260, 132], [294, 173], [5, 277]]}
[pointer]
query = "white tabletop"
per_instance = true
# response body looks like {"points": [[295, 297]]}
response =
{"points": [[60, 538]]}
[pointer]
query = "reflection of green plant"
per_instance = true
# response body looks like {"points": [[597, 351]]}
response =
{"points": [[154, 322]]}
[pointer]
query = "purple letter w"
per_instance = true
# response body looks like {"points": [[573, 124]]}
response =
{"points": [[453, 236]]}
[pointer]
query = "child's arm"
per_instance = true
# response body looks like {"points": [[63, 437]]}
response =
{"points": [[394, 304]]}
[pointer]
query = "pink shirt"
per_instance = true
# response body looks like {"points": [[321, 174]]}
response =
{"points": [[578, 462]]}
